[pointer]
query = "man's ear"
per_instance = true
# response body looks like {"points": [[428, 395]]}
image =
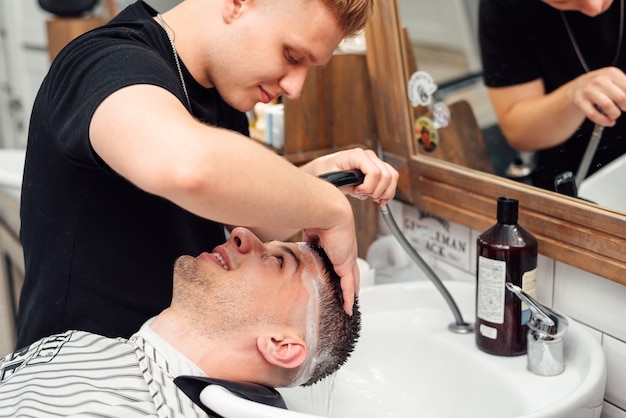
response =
{"points": [[283, 350], [233, 8]]}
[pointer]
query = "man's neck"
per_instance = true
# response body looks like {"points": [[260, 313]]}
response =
{"points": [[190, 40], [230, 357]]}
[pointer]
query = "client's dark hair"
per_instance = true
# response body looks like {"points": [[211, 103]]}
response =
{"points": [[338, 332]]}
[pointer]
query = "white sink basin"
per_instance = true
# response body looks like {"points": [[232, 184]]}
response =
{"points": [[11, 168], [605, 186], [408, 364]]}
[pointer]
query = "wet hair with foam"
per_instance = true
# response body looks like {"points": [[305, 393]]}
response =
{"points": [[338, 332]]}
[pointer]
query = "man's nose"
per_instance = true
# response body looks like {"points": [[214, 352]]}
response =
{"points": [[244, 240], [293, 82]]}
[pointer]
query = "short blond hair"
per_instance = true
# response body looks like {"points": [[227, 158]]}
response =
{"points": [[352, 15]]}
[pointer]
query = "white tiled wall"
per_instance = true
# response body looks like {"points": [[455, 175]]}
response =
{"points": [[610, 411], [598, 303], [615, 351], [591, 299]]}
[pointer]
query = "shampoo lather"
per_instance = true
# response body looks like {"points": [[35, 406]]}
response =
{"points": [[506, 252]]}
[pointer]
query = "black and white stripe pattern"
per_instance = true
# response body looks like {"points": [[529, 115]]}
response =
{"points": [[82, 374], [75, 373], [160, 364]]}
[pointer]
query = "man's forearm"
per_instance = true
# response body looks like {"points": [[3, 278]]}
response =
{"points": [[541, 122]]}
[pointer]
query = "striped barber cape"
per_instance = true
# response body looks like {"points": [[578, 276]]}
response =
{"points": [[80, 374]]}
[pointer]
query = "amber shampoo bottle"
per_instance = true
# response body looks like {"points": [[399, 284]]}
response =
{"points": [[506, 253]]}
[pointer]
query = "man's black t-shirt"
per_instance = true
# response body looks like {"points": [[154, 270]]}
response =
{"points": [[526, 40], [99, 252]]}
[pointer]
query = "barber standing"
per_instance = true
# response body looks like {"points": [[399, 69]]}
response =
{"points": [[553, 70], [138, 153]]}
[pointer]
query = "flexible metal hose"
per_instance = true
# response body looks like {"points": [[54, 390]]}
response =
{"points": [[355, 177]]}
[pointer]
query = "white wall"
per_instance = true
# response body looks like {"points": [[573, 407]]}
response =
{"points": [[448, 24], [162, 5]]}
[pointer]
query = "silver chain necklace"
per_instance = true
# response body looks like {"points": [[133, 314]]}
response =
{"points": [[619, 38], [180, 72]]}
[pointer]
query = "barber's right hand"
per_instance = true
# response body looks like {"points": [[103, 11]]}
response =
{"points": [[340, 245], [601, 95]]}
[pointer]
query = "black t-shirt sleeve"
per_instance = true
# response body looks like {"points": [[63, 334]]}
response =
{"points": [[89, 72], [506, 38]]}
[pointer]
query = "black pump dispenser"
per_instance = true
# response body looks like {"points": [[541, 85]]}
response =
{"points": [[506, 252]]}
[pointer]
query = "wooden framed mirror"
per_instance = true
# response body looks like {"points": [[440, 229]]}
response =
{"points": [[569, 230]]}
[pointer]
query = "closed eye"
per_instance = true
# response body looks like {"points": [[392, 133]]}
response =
{"points": [[289, 252], [281, 260], [290, 58]]}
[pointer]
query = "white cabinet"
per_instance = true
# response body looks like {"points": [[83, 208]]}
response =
{"points": [[24, 62], [5, 117], [23, 65]]}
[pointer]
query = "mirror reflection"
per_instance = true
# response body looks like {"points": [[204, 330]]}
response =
{"points": [[444, 39]]}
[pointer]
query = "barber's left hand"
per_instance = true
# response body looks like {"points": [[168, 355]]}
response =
{"points": [[381, 179]]}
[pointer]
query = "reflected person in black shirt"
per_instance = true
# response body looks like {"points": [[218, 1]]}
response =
{"points": [[553, 69]]}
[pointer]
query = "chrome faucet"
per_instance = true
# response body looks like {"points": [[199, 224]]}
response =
{"points": [[546, 334]]}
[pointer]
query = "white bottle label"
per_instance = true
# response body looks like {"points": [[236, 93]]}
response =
{"points": [[487, 331], [490, 293]]}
